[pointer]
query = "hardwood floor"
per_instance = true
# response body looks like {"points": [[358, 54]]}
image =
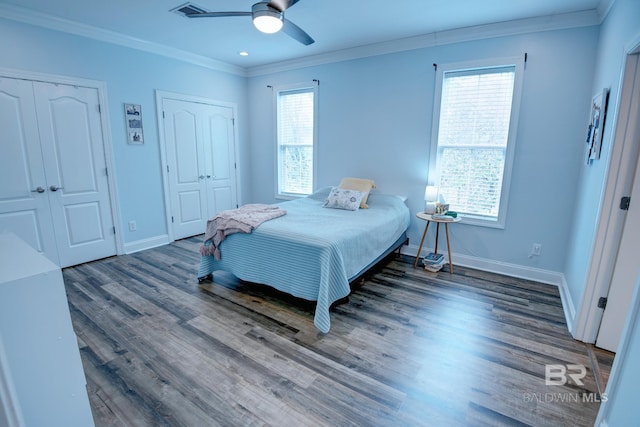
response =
{"points": [[410, 348]]}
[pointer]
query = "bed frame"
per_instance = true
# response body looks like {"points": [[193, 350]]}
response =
{"points": [[402, 240], [317, 267]]}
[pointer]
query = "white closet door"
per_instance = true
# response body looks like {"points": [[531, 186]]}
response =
{"points": [[219, 154], [200, 150], [69, 124], [187, 175], [24, 202]]}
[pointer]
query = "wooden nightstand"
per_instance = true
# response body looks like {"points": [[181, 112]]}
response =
{"points": [[427, 217]]}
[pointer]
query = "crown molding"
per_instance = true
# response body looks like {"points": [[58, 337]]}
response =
{"points": [[59, 24], [604, 7], [479, 32]]}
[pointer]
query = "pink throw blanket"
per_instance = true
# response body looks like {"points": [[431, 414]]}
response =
{"points": [[241, 220]]}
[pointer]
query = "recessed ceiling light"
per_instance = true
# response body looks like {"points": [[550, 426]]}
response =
{"points": [[244, 53]]}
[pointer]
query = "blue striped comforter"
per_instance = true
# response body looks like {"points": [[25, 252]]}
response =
{"points": [[312, 252]]}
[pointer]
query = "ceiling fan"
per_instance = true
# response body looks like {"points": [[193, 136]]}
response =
{"points": [[268, 17]]}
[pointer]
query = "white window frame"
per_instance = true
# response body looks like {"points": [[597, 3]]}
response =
{"points": [[286, 88], [518, 63]]}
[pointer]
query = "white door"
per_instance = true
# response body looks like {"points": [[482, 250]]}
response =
{"points": [[24, 201], [54, 191], [627, 263], [625, 274], [70, 129], [182, 129], [219, 160], [200, 152]]}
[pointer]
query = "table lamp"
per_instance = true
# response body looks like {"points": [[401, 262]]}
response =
{"points": [[430, 199]]}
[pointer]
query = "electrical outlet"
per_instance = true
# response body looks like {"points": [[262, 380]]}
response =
{"points": [[133, 226], [537, 249]]}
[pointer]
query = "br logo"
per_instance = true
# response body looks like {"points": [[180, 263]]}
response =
{"points": [[557, 374]]}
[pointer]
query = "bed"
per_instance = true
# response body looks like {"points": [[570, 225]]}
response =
{"points": [[314, 252]]}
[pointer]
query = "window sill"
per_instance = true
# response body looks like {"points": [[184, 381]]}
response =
{"points": [[481, 222], [289, 196]]}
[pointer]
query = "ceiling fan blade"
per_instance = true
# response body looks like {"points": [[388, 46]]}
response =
{"points": [[297, 33], [282, 5], [216, 14]]}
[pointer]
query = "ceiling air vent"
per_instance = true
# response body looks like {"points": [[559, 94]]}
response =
{"points": [[188, 8]]}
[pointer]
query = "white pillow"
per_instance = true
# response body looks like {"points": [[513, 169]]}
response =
{"points": [[340, 198]]}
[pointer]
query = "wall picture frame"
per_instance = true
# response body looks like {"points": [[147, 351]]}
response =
{"points": [[133, 120], [595, 128]]}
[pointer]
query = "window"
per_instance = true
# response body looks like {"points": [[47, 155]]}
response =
{"points": [[295, 140], [475, 123]]}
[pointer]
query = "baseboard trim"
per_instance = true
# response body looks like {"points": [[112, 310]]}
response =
{"points": [[141, 245], [512, 270], [568, 306]]}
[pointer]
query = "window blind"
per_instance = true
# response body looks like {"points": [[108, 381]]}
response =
{"points": [[295, 122], [472, 140]]}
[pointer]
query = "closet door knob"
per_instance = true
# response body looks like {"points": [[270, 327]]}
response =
{"points": [[54, 188], [201, 177], [38, 190]]}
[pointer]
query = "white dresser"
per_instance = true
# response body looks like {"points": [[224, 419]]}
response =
{"points": [[41, 378]]}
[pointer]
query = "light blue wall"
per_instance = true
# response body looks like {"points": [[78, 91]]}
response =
{"points": [[131, 76], [621, 26], [375, 119]]}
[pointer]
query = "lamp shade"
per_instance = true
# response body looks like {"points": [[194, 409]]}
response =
{"points": [[266, 18], [431, 193], [430, 198]]}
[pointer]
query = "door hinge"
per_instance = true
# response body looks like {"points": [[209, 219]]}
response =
{"points": [[163, 114], [106, 171], [172, 219], [114, 229], [167, 168], [602, 302], [625, 202], [99, 109]]}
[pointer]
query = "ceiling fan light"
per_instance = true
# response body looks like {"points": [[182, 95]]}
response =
{"points": [[267, 23], [267, 19]]}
